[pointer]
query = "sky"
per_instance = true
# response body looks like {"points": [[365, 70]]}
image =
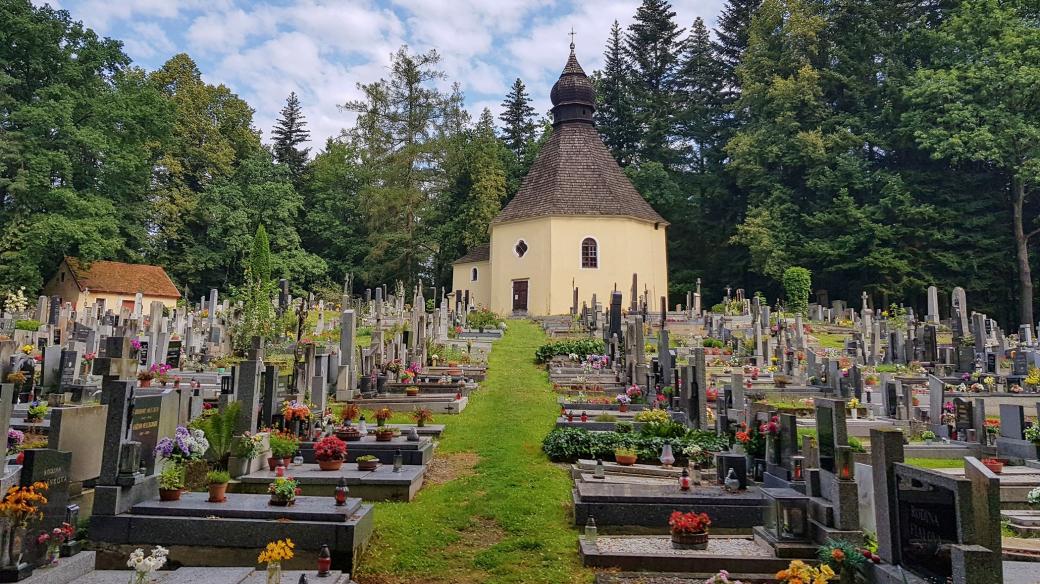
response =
{"points": [[322, 49]]}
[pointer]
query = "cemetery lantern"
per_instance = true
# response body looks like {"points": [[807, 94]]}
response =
{"points": [[398, 460], [599, 472], [341, 491], [324, 561], [797, 468], [667, 458], [684, 481], [787, 515], [845, 463], [590, 530]]}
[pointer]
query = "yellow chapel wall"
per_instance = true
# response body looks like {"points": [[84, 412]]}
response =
{"points": [[553, 261], [533, 266], [626, 246], [479, 290]]}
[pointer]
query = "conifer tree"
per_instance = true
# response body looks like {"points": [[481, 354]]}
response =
{"points": [[732, 31], [702, 111], [652, 46], [290, 130], [518, 119], [614, 115]]}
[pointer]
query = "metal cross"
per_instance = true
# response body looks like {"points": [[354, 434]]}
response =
{"points": [[572, 37]]}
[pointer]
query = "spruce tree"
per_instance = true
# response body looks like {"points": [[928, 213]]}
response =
{"points": [[518, 117], [732, 32], [701, 112], [614, 115], [652, 46], [289, 132]]}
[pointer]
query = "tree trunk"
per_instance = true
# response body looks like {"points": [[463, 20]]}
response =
{"points": [[1025, 277]]}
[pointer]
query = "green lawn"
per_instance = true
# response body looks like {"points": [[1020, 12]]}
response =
{"points": [[502, 515], [936, 462], [831, 340]]}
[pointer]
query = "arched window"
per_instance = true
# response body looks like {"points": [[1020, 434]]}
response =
{"points": [[589, 253], [474, 276], [521, 248]]}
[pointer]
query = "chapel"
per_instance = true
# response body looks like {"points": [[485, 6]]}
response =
{"points": [[576, 222]]}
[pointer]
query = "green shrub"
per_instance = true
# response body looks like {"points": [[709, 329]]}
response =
{"points": [[606, 418], [570, 444], [482, 318], [217, 477], [797, 285], [580, 347], [27, 325]]}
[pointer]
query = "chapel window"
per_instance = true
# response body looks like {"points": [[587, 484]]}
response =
{"points": [[589, 253], [521, 248]]}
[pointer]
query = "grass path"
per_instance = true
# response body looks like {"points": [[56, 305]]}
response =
{"points": [[503, 516]]}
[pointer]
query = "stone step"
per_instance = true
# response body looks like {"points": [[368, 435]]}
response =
{"points": [[244, 506], [70, 569]]}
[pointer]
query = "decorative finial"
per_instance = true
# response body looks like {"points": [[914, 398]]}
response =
{"points": [[572, 38]]}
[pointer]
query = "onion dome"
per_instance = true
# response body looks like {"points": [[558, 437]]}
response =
{"points": [[573, 96]]}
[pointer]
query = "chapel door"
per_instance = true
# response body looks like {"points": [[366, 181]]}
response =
{"points": [[519, 295]]}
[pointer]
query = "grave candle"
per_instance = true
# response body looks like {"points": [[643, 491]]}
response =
{"points": [[584, 416], [398, 460], [341, 491], [695, 474], [279, 471], [599, 473], [324, 561], [684, 481], [797, 462], [590, 530], [846, 467]]}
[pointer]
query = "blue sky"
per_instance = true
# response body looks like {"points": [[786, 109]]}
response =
{"points": [[322, 48]]}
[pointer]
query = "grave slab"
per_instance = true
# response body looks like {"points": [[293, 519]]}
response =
{"points": [[382, 484]]}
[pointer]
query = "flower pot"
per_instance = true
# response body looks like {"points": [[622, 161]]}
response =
{"points": [[368, 465], [625, 460], [217, 493], [280, 501], [623, 408], [995, 466], [411, 391], [384, 436], [145, 383], [350, 434], [273, 463], [690, 541], [333, 464], [169, 494]]}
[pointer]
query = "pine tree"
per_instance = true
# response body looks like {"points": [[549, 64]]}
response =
{"points": [[614, 115], [652, 46], [702, 112], [260, 257], [289, 132], [732, 32], [518, 117]]}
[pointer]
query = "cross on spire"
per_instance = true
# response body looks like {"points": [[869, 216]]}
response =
{"points": [[572, 38]]}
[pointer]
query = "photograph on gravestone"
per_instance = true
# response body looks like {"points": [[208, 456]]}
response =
{"points": [[145, 428], [825, 434], [927, 526]]}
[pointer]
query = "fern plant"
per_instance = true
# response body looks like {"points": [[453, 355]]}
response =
{"points": [[220, 429]]}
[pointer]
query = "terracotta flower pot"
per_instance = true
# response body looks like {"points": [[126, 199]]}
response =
{"points": [[625, 460], [273, 463], [993, 465], [623, 408], [690, 541], [333, 464], [145, 383], [218, 493], [169, 494], [368, 465], [384, 436]]}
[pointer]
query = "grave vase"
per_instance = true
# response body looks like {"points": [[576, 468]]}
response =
{"points": [[274, 573]]}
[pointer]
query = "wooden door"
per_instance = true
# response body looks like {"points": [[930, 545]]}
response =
{"points": [[519, 295]]}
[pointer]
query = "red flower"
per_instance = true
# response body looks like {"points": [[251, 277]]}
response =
{"points": [[689, 522], [743, 437]]}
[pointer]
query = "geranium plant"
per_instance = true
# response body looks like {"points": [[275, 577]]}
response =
{"points": [[330, 448], [687, 523]]}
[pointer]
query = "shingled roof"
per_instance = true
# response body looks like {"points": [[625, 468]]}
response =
{"points": [[120, 278], [481, 253], [574, 173]]}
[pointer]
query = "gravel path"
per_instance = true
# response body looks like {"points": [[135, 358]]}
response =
{"points": [[662, 545]]}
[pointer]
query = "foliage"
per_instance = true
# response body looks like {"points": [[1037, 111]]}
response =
{"points": [[219, 429], [27, 325], [422, 415], [288, 134], [797, 287], [367, 458], [248, 446], [283, 488], [798, 572], [580, 347], [842, 556], [171, 477], [330, 448], [217, 477], [283, 445], [482, 318], [570, 444]]}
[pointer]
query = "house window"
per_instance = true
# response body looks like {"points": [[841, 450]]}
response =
{"points": [[589, 253], [473, 277], [521, 248]]}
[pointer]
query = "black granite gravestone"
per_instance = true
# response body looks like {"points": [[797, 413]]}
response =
{"points": [[145, 428], [825, 434], [927, 525]]}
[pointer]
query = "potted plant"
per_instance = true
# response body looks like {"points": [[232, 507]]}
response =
{"points": [[283, 447], [349, 413], [421, 416], [145, 378], [171, 483], [384, 434], [348, 434], [217, 481], [927, 436], [623, 402], [625, 456], [330, 452], [283, 491], [994, 464], [382, 415], [367, 462], [36, 412], [689, 530]]}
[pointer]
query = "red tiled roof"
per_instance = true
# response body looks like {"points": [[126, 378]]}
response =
{"points": [[120, 278]]}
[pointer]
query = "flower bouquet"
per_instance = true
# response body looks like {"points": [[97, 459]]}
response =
{"points": [[273, 555], [144, 566], [184, 446]]}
